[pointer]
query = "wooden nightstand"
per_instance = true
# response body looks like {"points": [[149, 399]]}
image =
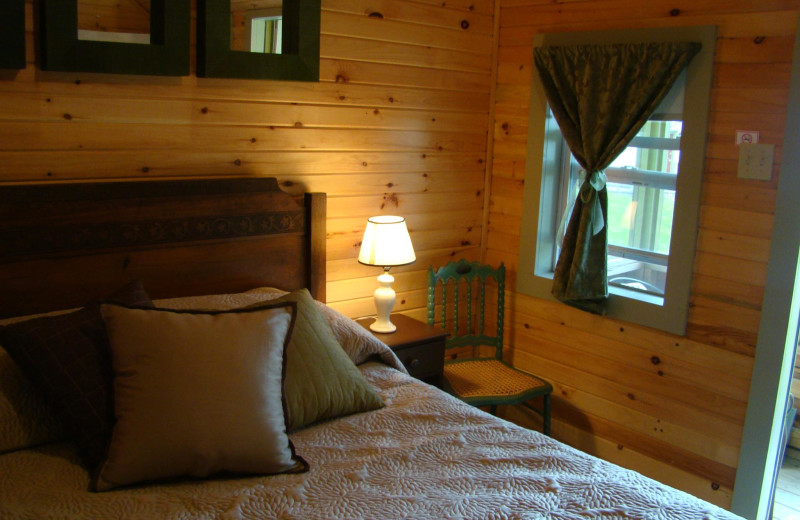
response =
{"points": [[419, 346]]}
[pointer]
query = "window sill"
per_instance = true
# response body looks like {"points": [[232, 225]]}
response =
{"points": [[623, 304], [546, 277]]}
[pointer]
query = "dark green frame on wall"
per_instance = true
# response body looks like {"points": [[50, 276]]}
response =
{"points": [[12, 34], [167, 54], [299, 60]]}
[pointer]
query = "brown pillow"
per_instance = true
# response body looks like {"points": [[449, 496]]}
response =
{"points": [[321, 381], [66, 358], [197, 393]]}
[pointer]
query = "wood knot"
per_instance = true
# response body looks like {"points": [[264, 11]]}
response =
{"points": [[68, 117], [758, 40], [391, 99], [237, 162], [714, 486], [204, 110], [464, 24], [145, 169], [341, 78], [288, 184], [655, 360], [364, 164], [376, 14], [298, 124], [675, 12]]}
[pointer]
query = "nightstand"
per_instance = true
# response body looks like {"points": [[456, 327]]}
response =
{"points": [[419, 346]]}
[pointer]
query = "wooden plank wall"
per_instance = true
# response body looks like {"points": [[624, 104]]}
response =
{"points": [[398, 123], [671, 407]]}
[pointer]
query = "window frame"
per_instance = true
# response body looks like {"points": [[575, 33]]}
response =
{"points": [[541, 216]]}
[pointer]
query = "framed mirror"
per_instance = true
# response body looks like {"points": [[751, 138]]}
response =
{"points": [[258, 39], [12, 34], [130, 37]]}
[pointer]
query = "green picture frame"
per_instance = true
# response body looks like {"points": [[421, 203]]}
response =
{"points": [[12, 34], [298, 61], [167, 54]]}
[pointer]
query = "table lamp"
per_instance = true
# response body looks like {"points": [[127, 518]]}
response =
{"points": [[386, 244]]}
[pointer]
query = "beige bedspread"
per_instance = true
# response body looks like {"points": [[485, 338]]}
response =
{"points": [[424, 456]]}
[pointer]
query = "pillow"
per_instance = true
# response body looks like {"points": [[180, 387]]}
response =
{"points": [[197, 393], [358, 343], [26, 419], [66, 358], [321, 380]]}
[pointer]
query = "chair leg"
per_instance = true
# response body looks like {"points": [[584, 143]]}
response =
{"points": [[546, 415]]}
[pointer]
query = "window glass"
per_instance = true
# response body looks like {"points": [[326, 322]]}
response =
{"points": [[641, 204]]}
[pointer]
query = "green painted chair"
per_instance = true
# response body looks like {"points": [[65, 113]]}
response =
{"points": [[480, 381]]}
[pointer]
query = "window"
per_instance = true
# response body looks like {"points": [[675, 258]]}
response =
{"points": [[653, 191]]}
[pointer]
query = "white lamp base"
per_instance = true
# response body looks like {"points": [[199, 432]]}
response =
{"points": [[384, 301]]}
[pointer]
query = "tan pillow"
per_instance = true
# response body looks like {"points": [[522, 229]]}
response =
{"points": [[197, 393], [322, 382]]}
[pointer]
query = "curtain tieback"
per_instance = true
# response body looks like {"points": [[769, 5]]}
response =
{"points": [[591, 184]]}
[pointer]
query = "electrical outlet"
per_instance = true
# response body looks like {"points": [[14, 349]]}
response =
{"points": [[755, 161]]}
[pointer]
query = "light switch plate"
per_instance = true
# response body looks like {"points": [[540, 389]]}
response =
{"points": [[755, 161]]}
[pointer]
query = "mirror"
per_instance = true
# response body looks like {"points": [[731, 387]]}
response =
{"points": [[12, 34], [117, 37], [125, 21], [257, 26], [258, 39]]}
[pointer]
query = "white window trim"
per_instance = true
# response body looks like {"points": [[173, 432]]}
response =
{"points": [[542, 177]]}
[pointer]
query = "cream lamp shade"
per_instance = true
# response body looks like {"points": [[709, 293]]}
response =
{"points": [[386, 244]]}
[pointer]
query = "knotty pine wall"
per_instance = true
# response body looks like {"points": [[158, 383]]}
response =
{"points": [[671, 407], [398, 123]]}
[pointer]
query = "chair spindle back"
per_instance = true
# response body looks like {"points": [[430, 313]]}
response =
{"points": [[468, 274]]}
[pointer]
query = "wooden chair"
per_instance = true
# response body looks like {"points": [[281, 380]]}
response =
{"points": [[480, 381]]}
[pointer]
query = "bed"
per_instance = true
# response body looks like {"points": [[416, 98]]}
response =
{"points": [[207, 251]]}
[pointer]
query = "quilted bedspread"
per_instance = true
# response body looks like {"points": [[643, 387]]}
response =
{"points": [[424, 456]]}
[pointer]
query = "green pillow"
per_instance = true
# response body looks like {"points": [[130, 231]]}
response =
{"points": [[322, 382]]}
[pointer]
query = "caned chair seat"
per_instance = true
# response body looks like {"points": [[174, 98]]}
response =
{"points": [[489, 381], [482, 381]]}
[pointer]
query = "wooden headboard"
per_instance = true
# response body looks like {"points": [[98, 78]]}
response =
{"points": [[62, 245]]}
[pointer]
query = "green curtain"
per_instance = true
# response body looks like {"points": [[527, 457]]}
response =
{"points": [[600, 95]]}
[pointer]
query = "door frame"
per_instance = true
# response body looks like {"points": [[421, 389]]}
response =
{"points": [[777, 331]]}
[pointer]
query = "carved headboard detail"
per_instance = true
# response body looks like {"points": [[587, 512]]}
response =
{"points": [[62, 245]]}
